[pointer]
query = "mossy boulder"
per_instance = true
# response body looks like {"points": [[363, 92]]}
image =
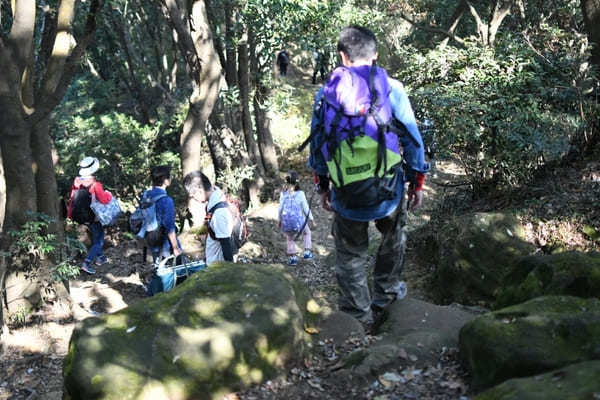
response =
{"points": [[530, 338], [223, 329], [472, 254], [574, 382], [571, 273]]}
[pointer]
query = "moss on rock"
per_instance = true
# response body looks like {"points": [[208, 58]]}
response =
{"points": [[574, 382], [473, 253], [526, 339], [571, 273], [223, 329]]}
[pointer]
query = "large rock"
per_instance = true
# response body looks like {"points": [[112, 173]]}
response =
{"points": [[223, 329], [472, 254], [530, 338], [571, 273], [577, 381], [414, 334]]}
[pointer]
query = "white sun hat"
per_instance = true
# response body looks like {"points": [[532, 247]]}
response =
{"points": [[88, 166]]}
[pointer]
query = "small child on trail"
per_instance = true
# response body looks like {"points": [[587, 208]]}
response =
{"points": [[294, 213], [84, 187]]}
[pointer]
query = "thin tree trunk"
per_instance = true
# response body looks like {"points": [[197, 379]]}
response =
{"points": [[455, 19], [45, 179], [591, 16], [137, 91], [261, 94], [199, 52], [253, 187]]}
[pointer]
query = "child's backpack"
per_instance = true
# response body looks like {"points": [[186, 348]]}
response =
{"points": [[359, 143], [239, 234], [292, 217], [143, 221], [82, 211]]}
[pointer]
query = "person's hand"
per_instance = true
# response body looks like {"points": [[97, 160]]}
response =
{"points": [[415, 198], [177, 251], [326, 201], [313, 224]]}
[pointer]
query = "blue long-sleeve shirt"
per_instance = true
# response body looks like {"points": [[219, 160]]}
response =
{"points": [[165, 209], [414, 155]]}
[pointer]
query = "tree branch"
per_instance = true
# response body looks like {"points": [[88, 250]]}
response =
{"points": [[432, 29], [20, 39], [53, 94]]}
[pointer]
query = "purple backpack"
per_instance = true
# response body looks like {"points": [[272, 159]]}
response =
{"points": [[292, 217]]}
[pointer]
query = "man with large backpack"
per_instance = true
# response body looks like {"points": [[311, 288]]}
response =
{"points": [[225, 224], [364, 145]]}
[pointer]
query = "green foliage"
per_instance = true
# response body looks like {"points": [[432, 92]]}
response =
{"points": [[126, 148], [232, 179], [31, 245], [503, 111]]}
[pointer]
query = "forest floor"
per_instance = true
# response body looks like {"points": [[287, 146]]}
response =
{"points": [[554, 211]]}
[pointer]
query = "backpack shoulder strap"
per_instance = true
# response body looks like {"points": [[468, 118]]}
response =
{"points": [[221, 204], [158, 197]]}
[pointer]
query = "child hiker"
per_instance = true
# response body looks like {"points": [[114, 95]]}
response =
{"points": [[294, 214]]}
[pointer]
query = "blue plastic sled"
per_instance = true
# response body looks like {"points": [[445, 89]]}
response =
{"points": [[166, 277]]}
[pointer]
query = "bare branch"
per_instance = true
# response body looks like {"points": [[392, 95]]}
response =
{"points": [[432, 29], [51, 98]]}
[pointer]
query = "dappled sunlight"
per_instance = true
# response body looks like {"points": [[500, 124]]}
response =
{"points": [[213, 344], [207, 308]]}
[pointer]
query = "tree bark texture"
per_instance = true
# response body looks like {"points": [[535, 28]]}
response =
{"points": [[591, 16], [261, 118], [204, 67], [27, 100]]}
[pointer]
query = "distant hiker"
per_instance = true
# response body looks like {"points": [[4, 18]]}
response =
{"points": [[321, 65], [294, 215], [84, 187], [219, 220], [283, 60], [161, 238], [355, 146]]}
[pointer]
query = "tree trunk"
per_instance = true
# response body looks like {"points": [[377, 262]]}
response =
{"points": [[591, 16], [253, 187], [26, 103], [455, 19], [261, 94], [48, 200], [136, 88], [2, 193], [199, 52]]}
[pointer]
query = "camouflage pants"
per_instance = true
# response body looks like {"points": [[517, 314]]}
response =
{"points": [[351, 244]]}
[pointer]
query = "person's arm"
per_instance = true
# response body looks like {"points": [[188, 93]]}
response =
{"points": [[227, 248], [222, 224], [102, 195], [174, 245], [414, 154]]}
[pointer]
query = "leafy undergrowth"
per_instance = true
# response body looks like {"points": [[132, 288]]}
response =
{"points": [[559, 211]]}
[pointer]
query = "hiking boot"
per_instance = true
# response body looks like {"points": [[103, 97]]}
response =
{"points": [[86, 267], [308, 254], [101, 260], [293, 260], [380, 315]]}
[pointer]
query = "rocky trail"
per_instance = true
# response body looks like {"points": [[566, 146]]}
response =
{"points": [[32, 362]]}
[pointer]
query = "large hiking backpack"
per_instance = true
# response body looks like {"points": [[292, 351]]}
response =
{"points": [[292, 217], [82, 211], [359, 144], [143, 221], [239, 233]]}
